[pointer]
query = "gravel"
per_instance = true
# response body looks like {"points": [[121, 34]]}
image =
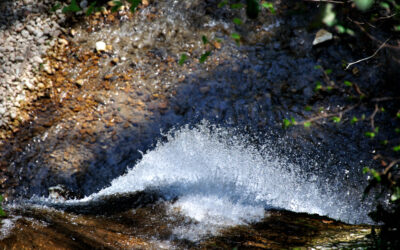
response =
{"points": [[26, 30]]}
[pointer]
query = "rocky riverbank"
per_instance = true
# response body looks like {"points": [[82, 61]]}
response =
{"points": [[27, 29]]}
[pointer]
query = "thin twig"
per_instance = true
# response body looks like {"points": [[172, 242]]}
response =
{"points": [[372, 117], [386, 98], [374, 38], [386, 17], [326, 115], [392, 163], [369, 57]]}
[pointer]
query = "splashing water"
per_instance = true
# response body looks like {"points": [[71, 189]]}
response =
{"points": [[219, 180]]}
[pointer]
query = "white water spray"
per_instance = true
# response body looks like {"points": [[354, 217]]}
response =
{"points": [[220, 181]]}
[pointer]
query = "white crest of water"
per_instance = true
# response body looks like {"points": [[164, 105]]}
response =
{"points": [[219, 180]]}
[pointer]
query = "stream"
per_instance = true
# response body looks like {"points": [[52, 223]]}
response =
{"points": [[130, 149]]}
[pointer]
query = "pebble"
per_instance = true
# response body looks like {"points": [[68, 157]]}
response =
{"points": [[322, 36], [47, 69], [62, 41], [25, 33], [100, 46], [37, 59], [29, 86], [79, 82]]}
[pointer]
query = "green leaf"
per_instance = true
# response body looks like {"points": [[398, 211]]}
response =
{"points": [[235, 36], [117, 5], [307, 108], [397, 130], [329, 88], [317, 67], [134, 4], [384, 5], [328, 71], [269, 6], [236, 6], [307, 124], [396, 194], [72, 7], [396, 28], [398, 114], [363, 117], [370, 135], [182, 59], [348, 83], [318, 86], [329, 15], [396, 148], [2, 213], [204, 39], [286, 123], [336, 119], [293, 121], [204, 57], [222, 3], [350, 32], [237, 21], [363, 5], [373, 172], [384, 142], [376, 130], [340, 29], [354, 120], [91, 8], [55, 7]]}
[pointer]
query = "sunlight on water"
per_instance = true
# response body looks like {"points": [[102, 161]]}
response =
{"points": [[219, 180], [215, 178]]}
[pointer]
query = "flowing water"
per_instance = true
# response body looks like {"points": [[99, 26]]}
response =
{"points": [[223, 173], [216, 178]]}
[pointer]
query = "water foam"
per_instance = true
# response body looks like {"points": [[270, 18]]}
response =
{"points": [[220, 180]]}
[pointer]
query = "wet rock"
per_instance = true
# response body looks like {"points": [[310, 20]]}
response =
{"points": [[60, 192]]}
